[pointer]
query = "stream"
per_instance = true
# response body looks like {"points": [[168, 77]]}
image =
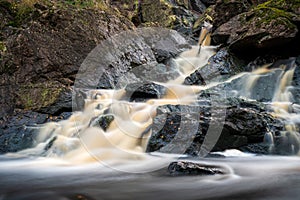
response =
{"points": [[77, 159]]}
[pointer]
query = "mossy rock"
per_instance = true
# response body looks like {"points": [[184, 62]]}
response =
{"points": [[39, 95], [284, 11], [267, 27], [158, 11]]}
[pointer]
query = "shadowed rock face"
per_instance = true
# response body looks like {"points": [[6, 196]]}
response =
{"points": [[44, 51]]}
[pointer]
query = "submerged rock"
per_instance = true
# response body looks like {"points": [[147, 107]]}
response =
{"points": [[19, 131], [105, 120], [185, 168]]}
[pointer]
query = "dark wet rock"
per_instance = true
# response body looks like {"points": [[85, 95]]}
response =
{"points": [[158, 72], [113, 64], [129, 57], [63, 104], [296, 78], [185, 168], [20, 130], [50, 143], [264, 88], [164, 43], [144, 91], [105, 120], [183, 129], [296, 82], [223, 11], [48, 97], [220, 66], [261, 29]]}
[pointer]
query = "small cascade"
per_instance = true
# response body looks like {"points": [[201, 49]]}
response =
{"points": [[116, 130], [273, 86], [83, 139], [282, 105]]}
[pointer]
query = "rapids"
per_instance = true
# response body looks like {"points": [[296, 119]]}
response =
{"points": [[77, 159]]}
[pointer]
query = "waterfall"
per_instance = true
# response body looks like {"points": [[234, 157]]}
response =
{"points": [[128, 124]]}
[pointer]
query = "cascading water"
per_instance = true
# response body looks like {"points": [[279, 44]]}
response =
{"points": [[273, 85], [115, 132], [80, 139]]}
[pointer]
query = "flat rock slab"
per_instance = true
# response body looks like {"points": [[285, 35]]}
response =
{"points": [[184, 168]]}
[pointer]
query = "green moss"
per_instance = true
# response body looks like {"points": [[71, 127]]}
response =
{"points": [[28, 102], [2, 47], [36, 96], [276, 11]]}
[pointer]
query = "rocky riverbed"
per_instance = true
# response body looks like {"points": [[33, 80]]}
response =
{"points": [[42, 46]]}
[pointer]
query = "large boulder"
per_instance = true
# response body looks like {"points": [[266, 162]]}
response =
{"points": [[235, 124], [134, 56], [220, 66], [263, 28]]}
